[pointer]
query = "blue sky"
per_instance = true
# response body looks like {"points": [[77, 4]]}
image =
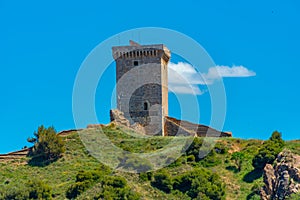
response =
{"points": [[43, 43]]}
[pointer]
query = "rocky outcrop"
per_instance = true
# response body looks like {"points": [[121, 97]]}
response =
{"points": [[282, 179], [118, 117]]}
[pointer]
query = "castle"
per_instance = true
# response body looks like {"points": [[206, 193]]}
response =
{"points": [[142, 91], [142, 84]]}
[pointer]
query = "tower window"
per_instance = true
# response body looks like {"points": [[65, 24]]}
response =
{"points": [[135, 63], [145, 106]]}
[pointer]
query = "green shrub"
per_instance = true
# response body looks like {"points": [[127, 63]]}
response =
{"points": [[31, 190], [48, 146], [115, 188], [194, 148], [91, 175], [176, 162], [190, 158], [77, 188], [269, 151], [200, 184], [238, 158], [39, 190], [277, 138], [84, 180], [146, 176], [16, 193], [115, 182], [220, 148], [210, 160], [162, 181]]}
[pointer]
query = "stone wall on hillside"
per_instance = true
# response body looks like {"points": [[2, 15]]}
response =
{"points": [[172, 125]]}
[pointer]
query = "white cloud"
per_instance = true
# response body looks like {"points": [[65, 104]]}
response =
{"points": [[184, 79], [185, 89], [182, 73], [226, 71]]}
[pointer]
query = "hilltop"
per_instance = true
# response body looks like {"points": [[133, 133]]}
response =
{"points": [[237, 182]]}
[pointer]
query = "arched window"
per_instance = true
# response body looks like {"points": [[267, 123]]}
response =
{"points": [[146, 106]]}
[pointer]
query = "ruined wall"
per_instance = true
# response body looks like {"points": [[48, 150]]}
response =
{"points": [[174, 127]]}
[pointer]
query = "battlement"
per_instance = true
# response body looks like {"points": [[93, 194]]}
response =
{"points": [[135, 50]]}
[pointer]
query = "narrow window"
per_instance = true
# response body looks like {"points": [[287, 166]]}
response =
{"points": [[135, 63], [145, 106]]}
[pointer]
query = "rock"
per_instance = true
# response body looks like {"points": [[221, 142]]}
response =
{"points": [[269, 180], [118, 117], [282, 180]]}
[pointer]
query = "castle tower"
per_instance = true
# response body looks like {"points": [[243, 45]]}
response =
{"points": [[142, 84]]}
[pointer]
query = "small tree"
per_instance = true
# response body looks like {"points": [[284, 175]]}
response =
{"points": [[277, 138], [48, 146], [238, 158], [269, 151]]}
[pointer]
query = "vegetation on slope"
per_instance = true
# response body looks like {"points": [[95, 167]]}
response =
{"points": [[225, 173]]}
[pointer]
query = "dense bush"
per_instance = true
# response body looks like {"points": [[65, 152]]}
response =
{"points": [[194, 148], [220, 148], [238, 158], [48, 146], [84, 180], [210, 160], [115, 188], [39, 190], [201, 184], [269, 151], [146, 176], [15, 193], [163, 181], [77, 188], [31, 190]]}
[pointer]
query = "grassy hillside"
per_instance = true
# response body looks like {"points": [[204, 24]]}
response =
{"points": [[61, 175]]}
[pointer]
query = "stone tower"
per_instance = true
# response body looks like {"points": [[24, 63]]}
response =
{"points": [[142, 84]]}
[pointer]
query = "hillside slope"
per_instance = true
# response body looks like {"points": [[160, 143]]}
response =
{"points": [[61, 175]]}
